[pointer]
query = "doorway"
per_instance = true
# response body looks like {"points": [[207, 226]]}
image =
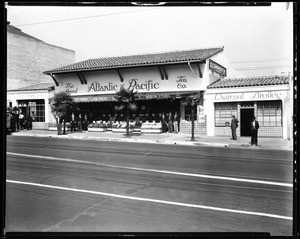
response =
{"points": [[246, 118]]}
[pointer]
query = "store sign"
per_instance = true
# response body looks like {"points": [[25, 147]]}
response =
{"points": [[94, 99], [215, 67], [70, 88], [141, 80], [133, 84], [259, 95], [158, 96]]}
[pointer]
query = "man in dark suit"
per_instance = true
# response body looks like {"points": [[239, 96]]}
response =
{"points": [[234, 125], [254, 130]]}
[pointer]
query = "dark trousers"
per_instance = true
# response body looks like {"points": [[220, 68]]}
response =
{"points": [[233, 133], [253, 137], [73, 126]]}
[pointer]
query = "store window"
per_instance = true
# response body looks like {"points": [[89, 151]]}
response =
{"points": [[269, 113], [223, 113], [33, 107]]}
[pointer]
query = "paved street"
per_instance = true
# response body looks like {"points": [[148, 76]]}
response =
{"points": [[75, 185]]}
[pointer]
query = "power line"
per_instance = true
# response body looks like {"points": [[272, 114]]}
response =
{"points": [[79, 18], [281, 59]]}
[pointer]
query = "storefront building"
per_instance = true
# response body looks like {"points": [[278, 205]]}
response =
{"points": [[267, 98], [33, 100], [162, 81]]}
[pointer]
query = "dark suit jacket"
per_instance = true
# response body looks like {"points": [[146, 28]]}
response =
{"points": [[256, 125], [234, 123]]}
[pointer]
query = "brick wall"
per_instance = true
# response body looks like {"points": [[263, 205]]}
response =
{"points": [[264, 132], [225, 131], [186, 127], [27, 58], [270, 132]]}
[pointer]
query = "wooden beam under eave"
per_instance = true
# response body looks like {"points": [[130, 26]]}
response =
{"points": [[120, 76], [165, 72], [161, 73], [82, 78], [53, 78]]}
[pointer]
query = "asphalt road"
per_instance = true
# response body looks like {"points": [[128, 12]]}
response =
{"points": [[75, 185]]}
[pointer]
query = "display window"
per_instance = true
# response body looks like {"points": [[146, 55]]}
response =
{"points": [[224, 112], [269, 113]]}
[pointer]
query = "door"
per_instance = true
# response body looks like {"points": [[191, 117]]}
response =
{"points": [[246, 118]]}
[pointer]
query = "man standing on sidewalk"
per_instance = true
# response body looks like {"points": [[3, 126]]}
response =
{"points": [[254, 130], [234, 125], [73, 122]]}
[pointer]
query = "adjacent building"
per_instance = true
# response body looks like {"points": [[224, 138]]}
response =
{"points": [[267, 98], [27, 86]]}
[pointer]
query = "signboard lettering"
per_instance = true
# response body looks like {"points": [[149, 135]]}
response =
{"points": [[260, 95], [181, 82], [148, 85], [70, 88], [215, 67], [96, 86], [239, 96]]}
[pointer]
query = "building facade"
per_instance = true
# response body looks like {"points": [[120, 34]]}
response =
{"points": [[27, 87], [267, 98], [162, 81], [34, 100], [28, 57]]}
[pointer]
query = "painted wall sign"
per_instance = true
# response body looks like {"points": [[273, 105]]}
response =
{"points": [[181, 82], [215, 67], [70, 88], [144, 80], [259, 95]]}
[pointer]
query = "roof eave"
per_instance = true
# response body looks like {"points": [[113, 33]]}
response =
{"points": [[126, 66]]}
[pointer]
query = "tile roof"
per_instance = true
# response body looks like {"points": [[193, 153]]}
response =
{"points": [[249, 81], [139, 60], [40, 86]]}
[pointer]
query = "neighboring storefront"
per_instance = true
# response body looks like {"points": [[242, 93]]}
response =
{"points": [[33, 100], [162, 81], [266, 98]]}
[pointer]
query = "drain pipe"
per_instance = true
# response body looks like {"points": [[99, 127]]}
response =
{"points": [[194, 75]]}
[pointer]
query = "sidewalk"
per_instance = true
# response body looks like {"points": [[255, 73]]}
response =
{"points": [[180, 139]]}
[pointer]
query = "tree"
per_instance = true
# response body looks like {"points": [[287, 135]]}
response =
{"points": [[193, 100], [60, 104], [127, 99]]}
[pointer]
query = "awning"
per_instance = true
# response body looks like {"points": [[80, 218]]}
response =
{"points": [[140, 96]]}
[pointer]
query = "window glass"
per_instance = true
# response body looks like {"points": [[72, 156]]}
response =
{"points": [[269, 113], [223, 113]]}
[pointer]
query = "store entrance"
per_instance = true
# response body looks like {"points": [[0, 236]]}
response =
{"points": [[246, 118]]}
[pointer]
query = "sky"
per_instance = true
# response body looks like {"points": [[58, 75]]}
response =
{"points": [[258, 41]]}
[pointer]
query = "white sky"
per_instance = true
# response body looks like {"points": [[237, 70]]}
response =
{"points": [[259, 38]]}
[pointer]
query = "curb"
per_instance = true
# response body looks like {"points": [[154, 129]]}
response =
{"points": [[187, 143]]}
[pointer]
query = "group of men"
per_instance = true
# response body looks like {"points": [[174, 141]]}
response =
{"points": [[170, 123], [254, 126], [81, 123], [20, 122]]}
